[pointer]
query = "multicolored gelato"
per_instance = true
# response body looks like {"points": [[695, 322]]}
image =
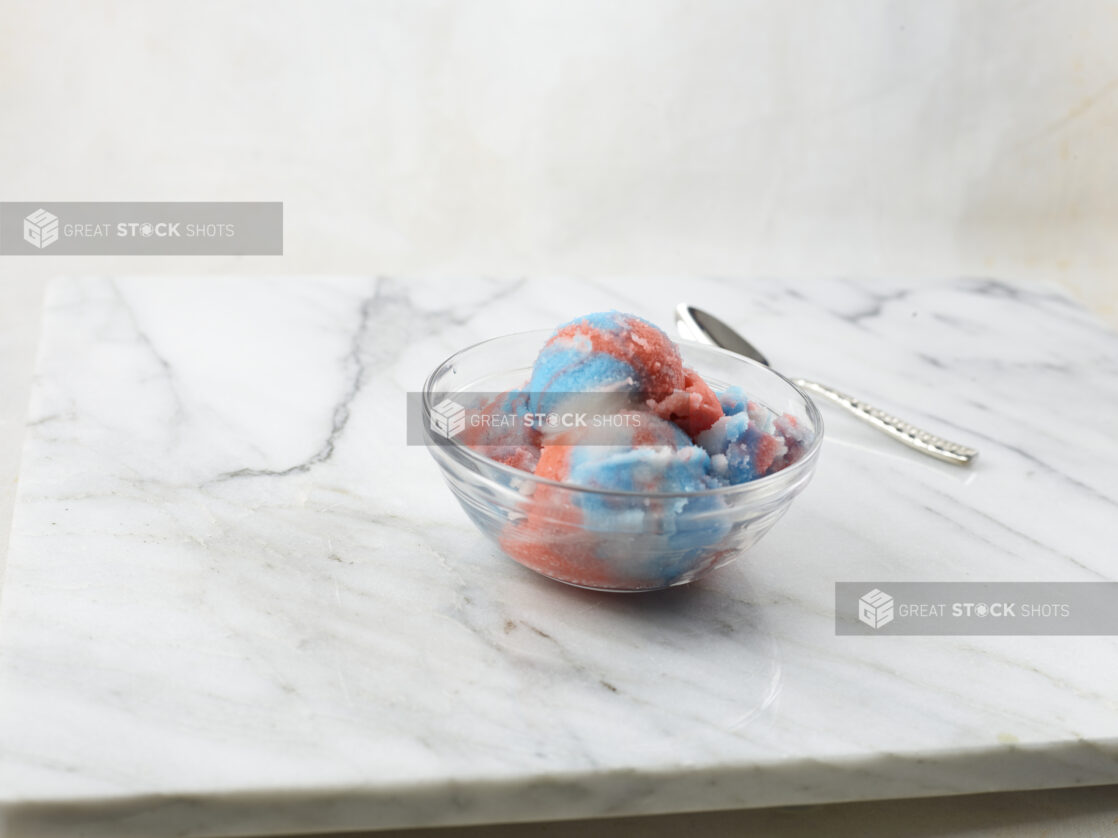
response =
{"points": [[661, 439]]}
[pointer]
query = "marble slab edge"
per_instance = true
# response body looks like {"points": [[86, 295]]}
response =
{"points": [[556, 797]]}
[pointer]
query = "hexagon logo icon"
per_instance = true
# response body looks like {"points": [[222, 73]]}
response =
{"points": [[875, 608], [40, 228], [448, 418]]}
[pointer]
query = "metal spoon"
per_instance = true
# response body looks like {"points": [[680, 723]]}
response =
{"points": [[698, 325]]}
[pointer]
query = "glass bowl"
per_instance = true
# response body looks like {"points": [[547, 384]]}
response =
{"points": [[614, 540]]}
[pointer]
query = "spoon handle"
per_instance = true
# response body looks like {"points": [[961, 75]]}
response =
{"points": [[910, 435]]}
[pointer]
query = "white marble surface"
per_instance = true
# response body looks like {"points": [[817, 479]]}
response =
{"points": [[328, 636]]}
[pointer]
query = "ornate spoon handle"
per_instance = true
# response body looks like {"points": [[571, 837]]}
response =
{"points": [[910, 435]]}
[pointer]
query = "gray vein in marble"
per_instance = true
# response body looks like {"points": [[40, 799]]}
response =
{"points": [[168, 372], [355, 362]]}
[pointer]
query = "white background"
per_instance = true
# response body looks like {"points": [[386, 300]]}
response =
{"points": [[577, 136], [847, 137]]}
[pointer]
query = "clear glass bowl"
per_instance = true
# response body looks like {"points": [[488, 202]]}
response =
{"points": [[646, 541]]}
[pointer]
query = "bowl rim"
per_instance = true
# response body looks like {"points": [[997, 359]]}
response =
{"points": [[785, 475]]}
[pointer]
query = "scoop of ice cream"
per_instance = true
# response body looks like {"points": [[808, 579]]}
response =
{"points": [[646, 454], [607, 351], [739, 450], [750, 441], [615, 352]]}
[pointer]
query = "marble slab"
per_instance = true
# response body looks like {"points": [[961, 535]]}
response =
{"points": [[237, 603]]}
